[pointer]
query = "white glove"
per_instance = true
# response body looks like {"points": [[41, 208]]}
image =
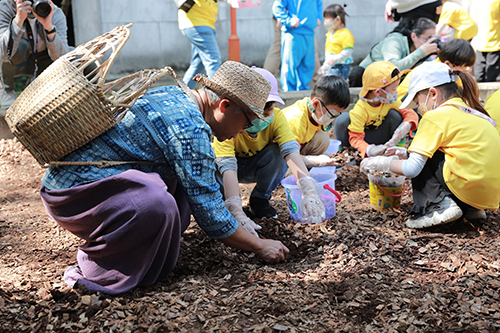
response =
{"points": [[234, 206], [399, 133], [377, 163], [318, 161], [375, 150], [312, 208], [323, 69], [400, 152]]}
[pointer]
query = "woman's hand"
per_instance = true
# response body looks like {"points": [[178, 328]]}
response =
{"points": [[429, 47]]}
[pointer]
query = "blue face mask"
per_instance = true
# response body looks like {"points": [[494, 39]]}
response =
{"points": [[260, 125]]}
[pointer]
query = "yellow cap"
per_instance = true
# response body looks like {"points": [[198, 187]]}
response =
{"points": [[379, 74]]}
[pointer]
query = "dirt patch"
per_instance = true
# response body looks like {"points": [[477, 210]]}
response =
{"points": [[361, 271]]}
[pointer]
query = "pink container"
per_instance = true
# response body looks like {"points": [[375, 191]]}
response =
{"points": [[248, 3]]}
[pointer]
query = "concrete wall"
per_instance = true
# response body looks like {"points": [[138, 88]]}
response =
{"points": [[156, 40]]}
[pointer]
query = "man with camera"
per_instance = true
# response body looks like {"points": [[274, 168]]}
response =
{"points": [[33, 34]]}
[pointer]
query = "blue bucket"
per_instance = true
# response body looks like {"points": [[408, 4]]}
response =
{"points": [[325, 185]]}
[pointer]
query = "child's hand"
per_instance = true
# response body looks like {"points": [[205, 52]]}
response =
{"points": [[400, 152], [375, 150], [294, 22], [319, 161]]}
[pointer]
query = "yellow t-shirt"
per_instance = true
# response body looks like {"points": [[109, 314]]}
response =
{"points": [[243, 145], [487, 15], [470, 145], [492, 105], [456, 17], [340, 40], [363, 115], [203, 13], [297, 116]]}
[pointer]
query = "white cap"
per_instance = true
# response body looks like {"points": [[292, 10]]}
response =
{"points": [[429, 74]]}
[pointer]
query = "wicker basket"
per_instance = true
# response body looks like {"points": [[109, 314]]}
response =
{"points": [[65, 107]]}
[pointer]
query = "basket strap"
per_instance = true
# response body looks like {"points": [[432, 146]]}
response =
{"points": [[181, 83], [99, 164]]}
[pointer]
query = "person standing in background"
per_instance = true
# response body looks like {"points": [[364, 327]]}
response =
{"points": [[198, 25], [397, 9], [298, 19], [487, 41], [455, 23]]}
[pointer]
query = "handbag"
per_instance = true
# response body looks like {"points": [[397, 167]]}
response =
{"points": [[184, 5]]}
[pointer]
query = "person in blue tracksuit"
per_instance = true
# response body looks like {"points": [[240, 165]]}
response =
{"points": [[298, 18]]}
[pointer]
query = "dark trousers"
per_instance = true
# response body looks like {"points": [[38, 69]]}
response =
{"points": [[430, 188], [356, 76], [24, 56], [376, 136], [487, 66]]}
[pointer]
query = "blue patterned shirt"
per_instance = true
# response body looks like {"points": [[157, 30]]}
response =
{"points": [[163, 126]]}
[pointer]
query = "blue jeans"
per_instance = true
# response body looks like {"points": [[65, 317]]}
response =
{"points": [[267, 168], [340, 70], [205, 54]]}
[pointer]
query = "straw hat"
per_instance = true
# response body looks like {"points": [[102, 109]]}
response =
{"points": [[239, 83]]}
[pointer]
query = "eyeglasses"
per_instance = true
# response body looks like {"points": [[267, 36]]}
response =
{"points": [[331, 114], [249, 122]]}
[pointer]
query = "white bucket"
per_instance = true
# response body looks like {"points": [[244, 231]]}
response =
{"points": [[335, 146]]}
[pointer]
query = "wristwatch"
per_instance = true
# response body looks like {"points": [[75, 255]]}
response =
{"points": [[47, 32]]}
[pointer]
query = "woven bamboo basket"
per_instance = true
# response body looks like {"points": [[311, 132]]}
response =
{"points": [[70, 103]]}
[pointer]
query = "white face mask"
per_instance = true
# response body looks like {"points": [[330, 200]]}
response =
{"points": [[331, 24], [325, 119]]}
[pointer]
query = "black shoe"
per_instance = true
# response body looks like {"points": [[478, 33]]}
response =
{"points": [[261, 208]]}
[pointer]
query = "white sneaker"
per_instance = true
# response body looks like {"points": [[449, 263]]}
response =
{"points": [[445, 211], [475, 214], [8, 97]]}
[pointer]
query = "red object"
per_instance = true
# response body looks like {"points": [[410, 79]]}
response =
{"points": [[234, 41]]}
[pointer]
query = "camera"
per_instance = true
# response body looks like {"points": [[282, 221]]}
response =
{"points": [[40, 7], [438, 41]]}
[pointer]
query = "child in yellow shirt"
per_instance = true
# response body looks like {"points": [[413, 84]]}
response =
{"points": [[376, 123], [311, 118], [261, 155], [455, 22], [453, 159], [339, 43]]}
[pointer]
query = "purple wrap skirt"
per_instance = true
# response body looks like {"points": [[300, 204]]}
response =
{"points": [[131, 224]]}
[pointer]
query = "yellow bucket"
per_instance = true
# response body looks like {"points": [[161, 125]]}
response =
{"points": [[386, 192]]}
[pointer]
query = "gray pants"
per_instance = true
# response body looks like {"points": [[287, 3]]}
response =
{"points": [[376, 136], [267, 168], [24, 56]]}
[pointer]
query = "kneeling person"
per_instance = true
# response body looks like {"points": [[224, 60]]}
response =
{"points": [[260, 155]]}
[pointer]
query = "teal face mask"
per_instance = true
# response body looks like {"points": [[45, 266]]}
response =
{"points": [[260, 125]]}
